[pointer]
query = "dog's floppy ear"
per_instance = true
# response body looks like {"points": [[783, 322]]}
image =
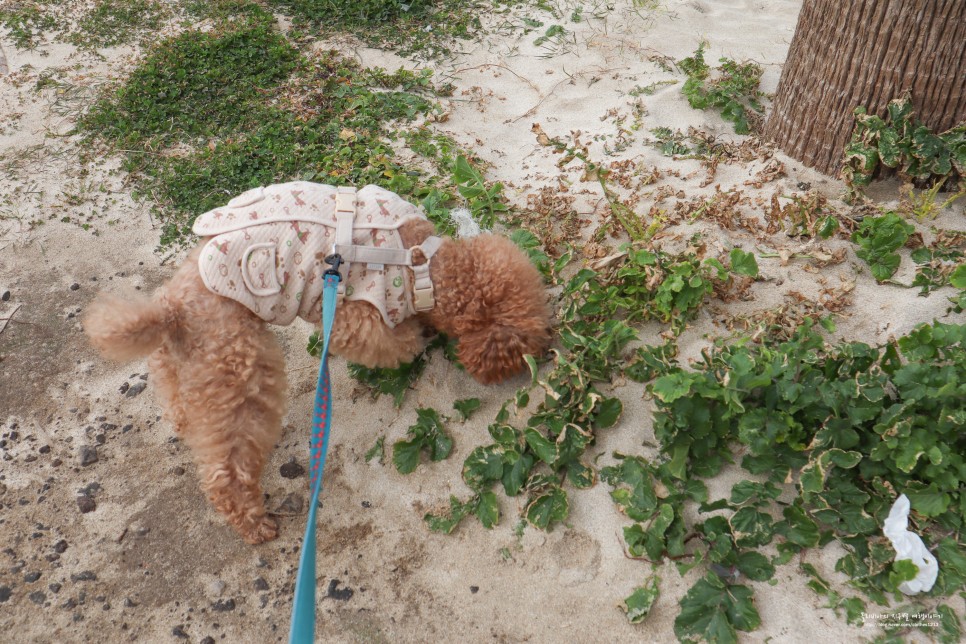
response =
{"points": [[496, 352]]}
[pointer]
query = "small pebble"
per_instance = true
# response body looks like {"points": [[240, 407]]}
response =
{"points": [[177, 470], [5, 592], [38, 597], [60, 546], [223, 605], [31, 577], [291, 470], [474, 589], [55, 588], [291, 505], [74, 286], [86, 575], [178, 631], [136, 389], [5, 297], [86, 503], [260, 584], [216, 588], [87, 455], [208, 640]]}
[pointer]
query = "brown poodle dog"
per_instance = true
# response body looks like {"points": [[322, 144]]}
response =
{"points": [[220, 375]]}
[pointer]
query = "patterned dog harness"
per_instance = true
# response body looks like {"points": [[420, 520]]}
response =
{"points": [[269, 244]]}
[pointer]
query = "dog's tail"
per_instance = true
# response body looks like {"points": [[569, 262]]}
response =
{"points": [[124, 328]]}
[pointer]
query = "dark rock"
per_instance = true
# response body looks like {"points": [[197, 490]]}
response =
{"points": [[291, 505], [334, 592], [5, 297], [260, 584], [136, 389], [177, 470], [38, 597], [55, 588], [178, 631], [74, 286], [31, 577], [70, 604], [208, 640], [223, 605], [87, 455], [474, 589], [124, 387], [86, 575], [60, 546], [291, 470], [129, 603], [86, 503], [5, 592], [45, 449]]}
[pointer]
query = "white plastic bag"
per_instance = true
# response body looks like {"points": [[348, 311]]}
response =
{"points": [[466, 226], [909, 545]]}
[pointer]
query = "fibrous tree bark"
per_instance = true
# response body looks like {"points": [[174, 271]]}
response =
{"points": [[847, 53]]}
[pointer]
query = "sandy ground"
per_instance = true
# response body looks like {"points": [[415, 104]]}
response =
{"points": [[152, 562]]}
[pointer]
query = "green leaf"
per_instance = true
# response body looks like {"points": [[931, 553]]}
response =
{"points": [[798, 527], [755, 566], [377, 450], [714, 611], [608, 413], [446, 523], [466, 407], [516, 469], [547, 508], [744, 263], [405, 455], [639, 603], [482, 466], [543, 448], [488, 510], [751, 527], [669, 388]]}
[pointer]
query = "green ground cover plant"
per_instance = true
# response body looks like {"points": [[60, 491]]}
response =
{"points": [[902, 143], [198, 124], [419, 28], [548, 452], [27, 21], [845, 428], [731, 89]]}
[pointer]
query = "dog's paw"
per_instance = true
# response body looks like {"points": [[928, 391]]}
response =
{"points": [[264, 529]]}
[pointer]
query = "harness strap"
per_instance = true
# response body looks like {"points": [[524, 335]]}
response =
{"points": [[345, 215], [423, 298]]}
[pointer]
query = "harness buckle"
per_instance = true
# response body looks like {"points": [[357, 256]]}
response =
{"points": [[335, 261]]}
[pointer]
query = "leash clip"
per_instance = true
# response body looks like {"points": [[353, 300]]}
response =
{"points": [[335, 261]]}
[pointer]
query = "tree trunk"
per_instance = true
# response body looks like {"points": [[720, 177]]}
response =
{"points": [[847, 53]]}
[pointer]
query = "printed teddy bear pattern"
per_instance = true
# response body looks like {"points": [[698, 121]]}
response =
{"points": [[269, 247]]}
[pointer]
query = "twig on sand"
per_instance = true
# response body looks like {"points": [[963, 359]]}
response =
{"points": [[4, 321]]}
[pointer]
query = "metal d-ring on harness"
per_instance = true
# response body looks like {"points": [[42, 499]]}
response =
{"points": [[303, 607]]}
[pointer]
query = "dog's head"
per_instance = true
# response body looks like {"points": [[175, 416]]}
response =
{"points": [[493, 300]]}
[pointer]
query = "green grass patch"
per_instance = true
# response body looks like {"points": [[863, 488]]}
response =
{"points": [[26, 21], [116, 22], [209, 115], [421, 28], [195, 85]]}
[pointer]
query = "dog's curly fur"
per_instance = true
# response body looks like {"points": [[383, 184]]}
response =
{"points": [[220, 373]]}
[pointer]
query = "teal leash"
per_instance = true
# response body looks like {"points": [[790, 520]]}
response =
{"points": [[303, 607]]}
